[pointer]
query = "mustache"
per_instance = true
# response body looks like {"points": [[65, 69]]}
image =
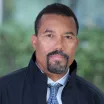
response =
{"points": [[59, 53]]}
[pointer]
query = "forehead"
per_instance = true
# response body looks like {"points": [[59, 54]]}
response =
{"points": [[55, 17], [54, 20]]}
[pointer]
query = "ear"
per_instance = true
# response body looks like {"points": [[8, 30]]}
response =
{"points": [[34, 40]]}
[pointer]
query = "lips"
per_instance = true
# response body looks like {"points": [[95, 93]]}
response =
{"points": [[56, 57]]}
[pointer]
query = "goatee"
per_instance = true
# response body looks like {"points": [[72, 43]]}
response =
{"points": [[58, 67]]}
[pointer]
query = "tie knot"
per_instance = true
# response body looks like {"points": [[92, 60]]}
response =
{"points": [[53, 93], [57, 85], [54, 88]]}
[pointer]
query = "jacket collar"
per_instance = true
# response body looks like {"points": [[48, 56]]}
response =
{"points": [[38, 80], [34, 70]]}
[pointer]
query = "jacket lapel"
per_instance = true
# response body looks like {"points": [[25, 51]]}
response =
{"points": [[38, 81], [41, 89]]}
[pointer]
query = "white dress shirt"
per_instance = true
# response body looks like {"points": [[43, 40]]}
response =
{"points": [[62, 81]]}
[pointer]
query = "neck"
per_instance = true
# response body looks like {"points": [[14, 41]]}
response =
{"points": [[55, 77], [52, 76]]}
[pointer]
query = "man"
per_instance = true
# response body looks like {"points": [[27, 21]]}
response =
{"points": [[50, 77]]}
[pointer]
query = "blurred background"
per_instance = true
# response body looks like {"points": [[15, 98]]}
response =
{"points": [[17, 26]]}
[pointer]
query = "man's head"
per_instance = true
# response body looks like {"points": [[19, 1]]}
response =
{"points": [[58, 9], [56, 39]]}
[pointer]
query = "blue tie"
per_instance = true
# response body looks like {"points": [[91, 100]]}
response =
{"points": [[53, 93]]}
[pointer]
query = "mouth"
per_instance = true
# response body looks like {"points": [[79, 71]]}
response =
{"points": [[56, 57]]}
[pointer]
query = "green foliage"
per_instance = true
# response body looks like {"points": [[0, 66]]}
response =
{"points": [[16, 50], [90, 56]]}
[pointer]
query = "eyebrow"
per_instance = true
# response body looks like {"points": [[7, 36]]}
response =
{"points": [[70, 33], [47, 30], [51, 31]]}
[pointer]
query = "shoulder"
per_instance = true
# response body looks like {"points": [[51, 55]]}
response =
{"points": [[89, 89], [12, 78]]}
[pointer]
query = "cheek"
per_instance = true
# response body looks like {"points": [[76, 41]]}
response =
{"points": [[41, 54], [40, 49], [43, 48], [71, 53], [71, 49]]}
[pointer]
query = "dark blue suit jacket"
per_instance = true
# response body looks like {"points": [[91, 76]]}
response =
{"points": [[29, 86]]}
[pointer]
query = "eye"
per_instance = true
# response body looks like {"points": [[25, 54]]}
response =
{"points": [[68, 37], [49, 35]]}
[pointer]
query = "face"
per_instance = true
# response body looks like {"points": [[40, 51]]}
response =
{"points": [[55, 43]]}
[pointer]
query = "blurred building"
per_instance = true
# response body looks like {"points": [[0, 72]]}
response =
{"points": [[89, 12]]}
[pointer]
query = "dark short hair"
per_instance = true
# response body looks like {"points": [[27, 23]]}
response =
{"points": [[56, 8]]}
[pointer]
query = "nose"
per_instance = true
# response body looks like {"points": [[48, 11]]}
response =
{"points": [[59, 44]]}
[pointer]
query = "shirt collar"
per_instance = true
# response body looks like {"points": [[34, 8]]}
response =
{"points": [[62, 81]]}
